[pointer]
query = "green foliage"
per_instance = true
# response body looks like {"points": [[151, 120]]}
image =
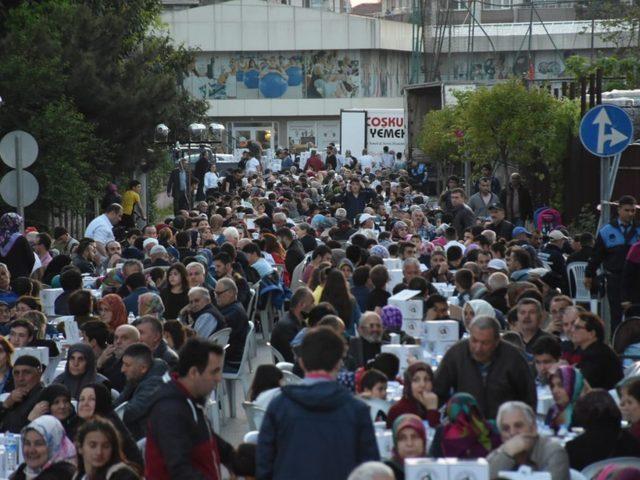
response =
{"points": [[438, 139], [94, 68], [586, 221], [507, 123], [618, 72]]}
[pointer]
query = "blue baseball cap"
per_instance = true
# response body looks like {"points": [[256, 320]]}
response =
{"points": [[519, 231]]}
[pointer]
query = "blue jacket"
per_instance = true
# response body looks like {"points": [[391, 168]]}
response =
{"points": [[316, 432], [611, 248], [131, 300]]}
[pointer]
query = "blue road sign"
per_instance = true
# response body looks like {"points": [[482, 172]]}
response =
{"points": [[606, 130]]}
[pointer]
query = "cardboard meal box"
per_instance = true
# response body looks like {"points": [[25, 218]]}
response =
{"points": [[384, 439], [395, 278], [468, 469], [392, 263], [403, 352], [409, 304], [426, 469]]}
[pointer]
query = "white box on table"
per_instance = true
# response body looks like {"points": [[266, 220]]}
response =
{"points": [[41, 353], [395, 278], [392, 263], [426, 468], [384, 439], [410, 307], [412, 327], [441, 330], [468, 469], [403, 352]]}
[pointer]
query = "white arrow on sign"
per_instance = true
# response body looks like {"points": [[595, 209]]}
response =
{"points": [[615, 137]]}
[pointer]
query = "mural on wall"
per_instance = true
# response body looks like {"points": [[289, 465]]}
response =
{"points": [[294, 75], [501, 65]]}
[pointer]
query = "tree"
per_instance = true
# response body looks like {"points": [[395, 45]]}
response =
{"points": [[508, 124], [618, 72], [105, 74]]}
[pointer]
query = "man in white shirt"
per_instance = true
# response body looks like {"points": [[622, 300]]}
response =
{"points": [[211, 179], [386, 158], [366, 161], [253, 166], [101, 228]]}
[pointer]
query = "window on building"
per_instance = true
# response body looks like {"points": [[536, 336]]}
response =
{"points": [[460, 5], [497, 4]]}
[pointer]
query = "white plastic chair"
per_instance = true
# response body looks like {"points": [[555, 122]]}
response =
{"points": [[254, 413], [253, 299], [276, 353], [592, 470], [288, 366], [251, 437], [114, 394], [291, 378], [221, 337], [576, 475], [242, 375], [253, 344], [576, 274], [296, 276], [120, 410], [142, 445], [213, 414]]}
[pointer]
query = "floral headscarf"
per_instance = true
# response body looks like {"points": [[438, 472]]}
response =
{"points": [[380, 251], [408, 420], [573, 383], [150, 304], [10, 224], [391, 318], [468, 434], [60, 448]]}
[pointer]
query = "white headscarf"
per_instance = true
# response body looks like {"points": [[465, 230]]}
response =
{"points": [[60, 448]]}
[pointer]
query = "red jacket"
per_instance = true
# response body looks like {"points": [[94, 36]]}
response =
{"points": [[181, 444], [314, 163], [408, 405]]}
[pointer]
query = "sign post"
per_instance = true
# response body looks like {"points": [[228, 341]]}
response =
{"points": [[18, 187], [606, 131]]}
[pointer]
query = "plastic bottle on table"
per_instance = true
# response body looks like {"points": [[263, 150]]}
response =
{"points": [[11, 452], [131, 318]]}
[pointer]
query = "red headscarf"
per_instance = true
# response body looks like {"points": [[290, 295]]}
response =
{"points": [[119, 312]]}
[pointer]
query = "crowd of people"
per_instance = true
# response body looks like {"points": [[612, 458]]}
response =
{"points": [[534, 379]]}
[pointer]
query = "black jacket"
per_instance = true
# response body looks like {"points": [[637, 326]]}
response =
{"points": [[611, 248], [504, 229], [166, 353], [497, 299], [14, 419], [57, 471], [19, 260], [173, 185], [138, 396], [294, 255], [283, 332], [463, 218], [508, 378], [599, 444], [361, 351], [600, 366], [236, 318], [524, 200], [112, 369]]}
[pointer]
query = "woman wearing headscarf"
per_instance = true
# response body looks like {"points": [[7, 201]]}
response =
{"points": [[151, 304], [399, 231], [476, 308], [417, 396], [15, 251], [409, 441], [56, 400], [567, 386], [80, 369], [467, 434], [48, 452], [112, 311], [95, 400]]}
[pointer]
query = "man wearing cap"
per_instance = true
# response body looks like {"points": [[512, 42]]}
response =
{"points": [[522, 236], [552, 254], [481, 201], [15, 409], [499, 225], [612, 245]]}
